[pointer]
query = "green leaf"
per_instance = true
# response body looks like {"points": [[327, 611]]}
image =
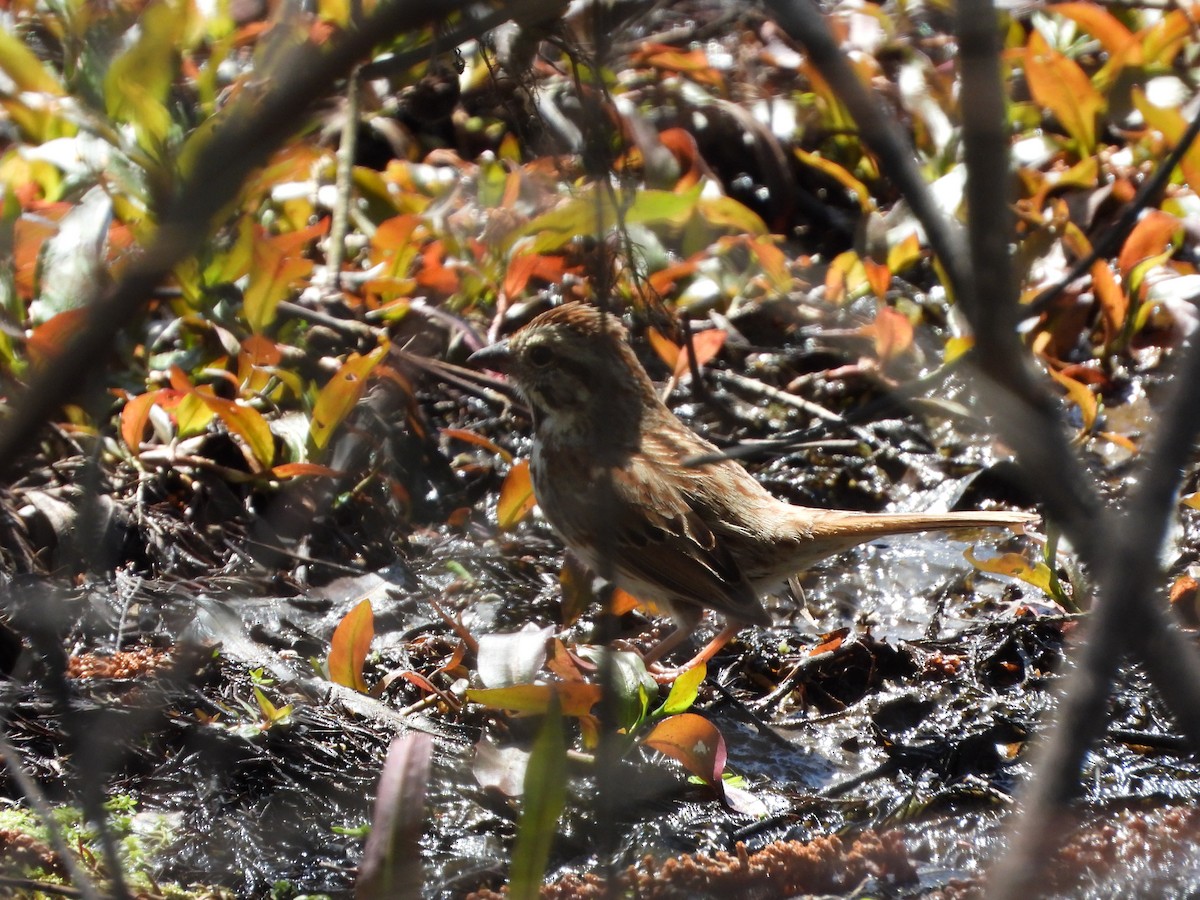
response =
{"points": [[684, 691], [545, 795]]}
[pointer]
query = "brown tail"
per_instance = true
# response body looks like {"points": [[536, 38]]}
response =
{"points": [[856, 527]]}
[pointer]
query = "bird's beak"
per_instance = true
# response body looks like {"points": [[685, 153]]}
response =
{"points": [[496, 357]]}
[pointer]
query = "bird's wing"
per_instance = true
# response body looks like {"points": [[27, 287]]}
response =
{"points": [[663, 539]]}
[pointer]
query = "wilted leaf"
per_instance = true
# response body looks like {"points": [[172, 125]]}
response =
{"points": [[512, 659], [349, 647], [693, 741], [391, 866], [516, 496]]}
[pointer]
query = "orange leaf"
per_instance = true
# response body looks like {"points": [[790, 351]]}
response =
{"points": [[692, 740], [1103, 26], [1154, 233], [51, 337], [879, 277], [1059, 85], [667, 351], [297, 469], [134, 417], [1114, 303], [516, 496], [706, 344], [1080, 395], [891, 332], [349, 646], [532, 265], [470, 437]]}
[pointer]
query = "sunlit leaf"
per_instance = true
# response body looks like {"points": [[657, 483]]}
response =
{"points": [[693, 741], [50, 338], [667, 350], [576, 697], [1172, 124], [1155, 233], [525, 266], [278, 267], [340, 394], [595, 213], [27, 72], [1014, 565], [705, 344], [891, 333], [505, 660], [857, 190], [135, 416], [1114, 303], [349, 647], [137, 81], [1080, 395], [516, 496], [684, 691], [272, 714], [1061, 86], [299, 469], [247, 423], [1102, 25], [543, 798]]}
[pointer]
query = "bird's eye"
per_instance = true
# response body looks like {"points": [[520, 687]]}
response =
{"points": [[540, 355]]}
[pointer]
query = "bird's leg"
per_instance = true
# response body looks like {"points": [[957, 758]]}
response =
{"points": [[687, 618], [664, 676]]}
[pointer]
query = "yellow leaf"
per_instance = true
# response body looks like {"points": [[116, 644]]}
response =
{"points": [[340, 394], [516, 496], [1081, 395], [1014, 565]]}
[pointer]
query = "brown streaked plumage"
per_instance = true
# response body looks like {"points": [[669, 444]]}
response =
{"points": [[608, 473]]}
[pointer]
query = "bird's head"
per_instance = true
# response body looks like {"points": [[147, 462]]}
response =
{"points": [[575, 369]]}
